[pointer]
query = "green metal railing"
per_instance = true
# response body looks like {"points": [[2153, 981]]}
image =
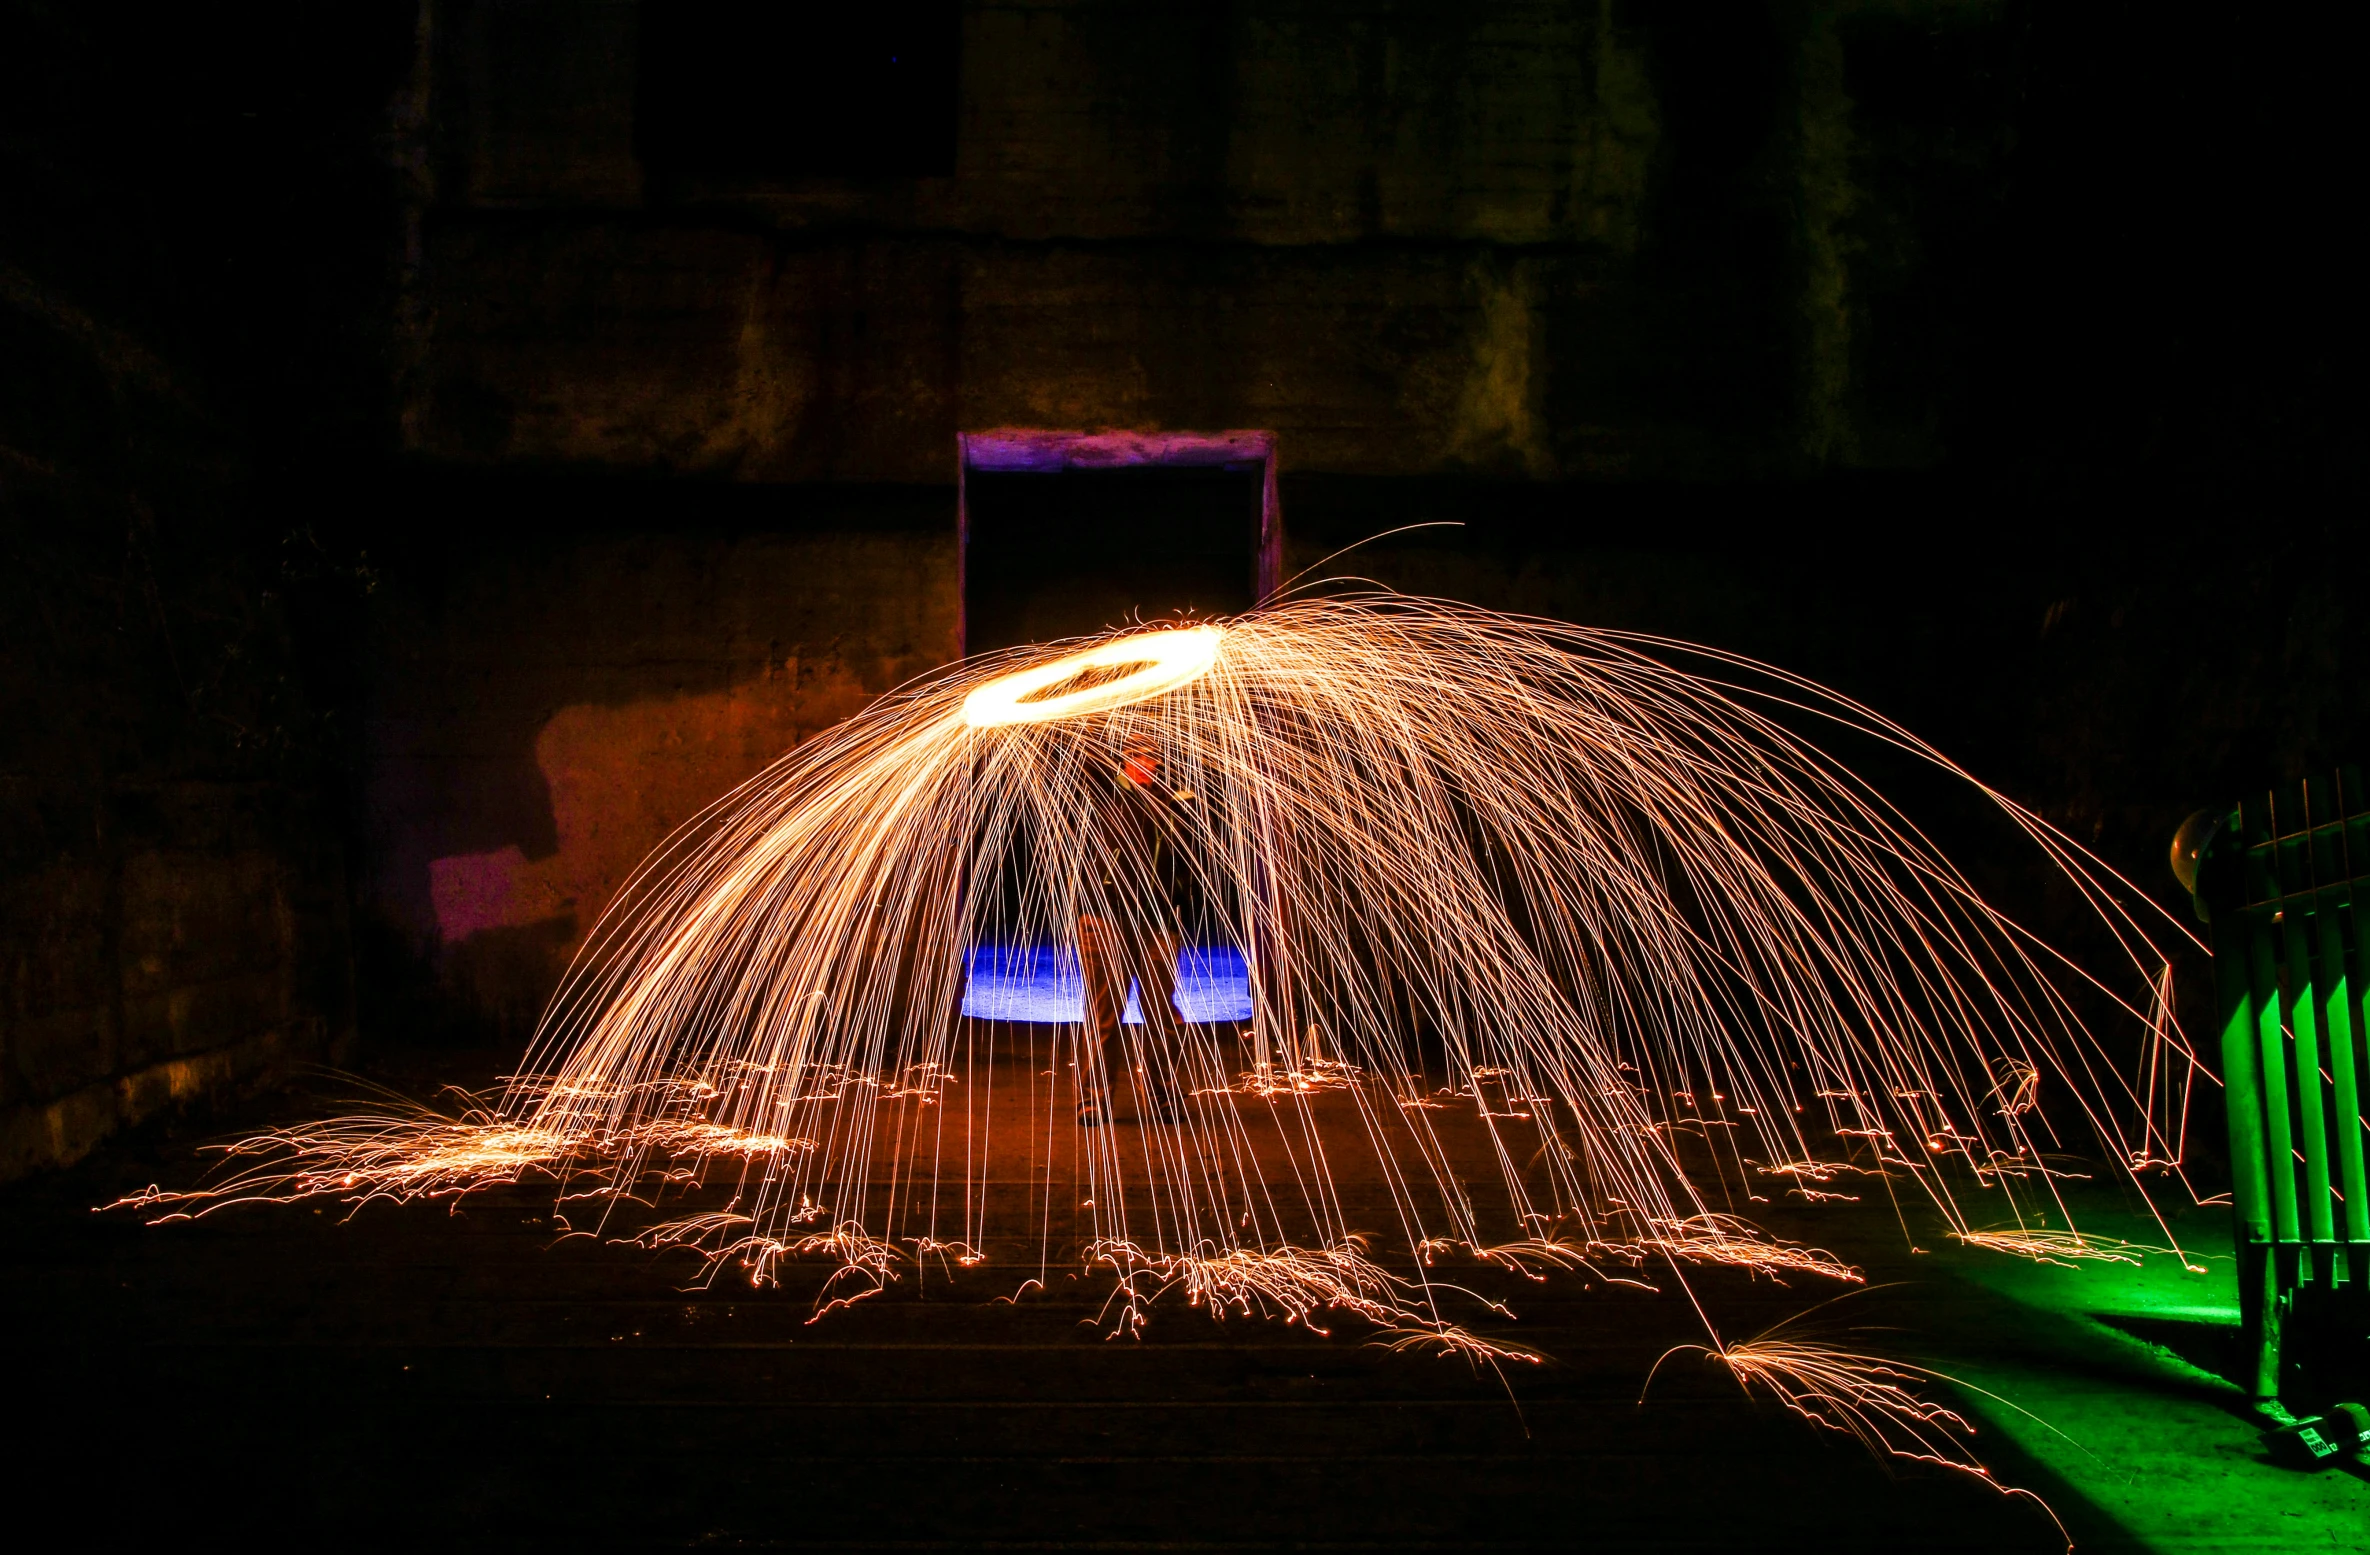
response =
{"points": [[2285, 886]]}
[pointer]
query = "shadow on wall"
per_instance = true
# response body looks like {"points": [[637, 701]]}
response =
{"points": [[621, 778], [561, 672]]}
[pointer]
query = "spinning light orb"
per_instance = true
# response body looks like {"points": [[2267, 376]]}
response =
{"points": [[1150, 663]]}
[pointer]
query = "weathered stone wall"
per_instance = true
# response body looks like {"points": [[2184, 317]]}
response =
{"points": [[173, 896], [563, 672], [172, 901], [1538, 239]]}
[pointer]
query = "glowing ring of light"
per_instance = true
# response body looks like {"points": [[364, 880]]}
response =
{"points": [[1164, 661]]}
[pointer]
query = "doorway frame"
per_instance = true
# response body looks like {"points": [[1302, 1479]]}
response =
{"points": [[1049, 451]]}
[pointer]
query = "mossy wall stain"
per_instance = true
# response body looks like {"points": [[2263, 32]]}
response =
{"points": [[1498, 426]]}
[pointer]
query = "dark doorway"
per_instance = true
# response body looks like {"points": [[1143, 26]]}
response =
{"points": [[1065, 534]]}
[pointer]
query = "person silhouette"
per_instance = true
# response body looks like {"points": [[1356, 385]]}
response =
{"points": [[1148, 898]]}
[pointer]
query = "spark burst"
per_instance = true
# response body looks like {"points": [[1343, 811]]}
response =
{"points": [[1871, 1400], [1577, 940]]}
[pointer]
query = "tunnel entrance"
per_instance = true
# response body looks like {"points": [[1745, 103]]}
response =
{"points": [[1065, 533]]}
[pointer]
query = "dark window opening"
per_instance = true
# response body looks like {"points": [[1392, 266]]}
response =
{"points": [[764, 89], [1074, 551]]}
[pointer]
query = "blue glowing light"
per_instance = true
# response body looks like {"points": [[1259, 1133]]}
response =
{"points": [[1040, 983]]}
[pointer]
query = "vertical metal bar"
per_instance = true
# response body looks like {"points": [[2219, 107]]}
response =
{"points": [[2299, 872], [2312, 1133], [2271, 1048], [2353, 813], [2236, 937], [2259, 1312], [2358, 1011], [2338, 1001], [2259, 862], [2242, 1078]]}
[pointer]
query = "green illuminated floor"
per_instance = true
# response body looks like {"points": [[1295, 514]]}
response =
{"points": [[2157, 1452]]}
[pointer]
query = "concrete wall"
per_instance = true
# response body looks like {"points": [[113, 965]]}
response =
{"points": [[549, 696], [1538, 239], [172, 890], [180, 272], [1646, 294]]}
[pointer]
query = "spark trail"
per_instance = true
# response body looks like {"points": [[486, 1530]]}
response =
{"points": [[1523, 905]]}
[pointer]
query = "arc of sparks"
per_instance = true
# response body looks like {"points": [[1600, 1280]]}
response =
{"points": [[1580, 942]]}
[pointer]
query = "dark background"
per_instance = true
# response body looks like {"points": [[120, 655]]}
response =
{"points": [[442, 445], [1062, 554]]}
